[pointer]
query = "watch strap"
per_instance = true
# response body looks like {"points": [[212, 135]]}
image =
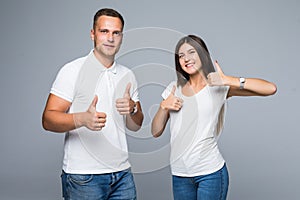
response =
{"points": [[134, 109], [242, 83]]}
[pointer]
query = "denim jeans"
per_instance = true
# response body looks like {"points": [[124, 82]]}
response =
{"points": [[110, 186], [206, 187]]}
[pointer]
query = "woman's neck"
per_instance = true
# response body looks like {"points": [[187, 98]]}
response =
{"points": [[197, 81], [194, 85]]}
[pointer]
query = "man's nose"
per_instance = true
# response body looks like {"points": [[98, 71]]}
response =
{"points": [[110, 37]]}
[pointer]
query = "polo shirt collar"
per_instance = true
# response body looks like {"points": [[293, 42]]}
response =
{"points": [[112, 69]]}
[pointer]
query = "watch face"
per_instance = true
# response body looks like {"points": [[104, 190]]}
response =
{"points": [[242, 80]]}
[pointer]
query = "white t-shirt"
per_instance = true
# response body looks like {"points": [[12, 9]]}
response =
{"points": [[95, 152], [194, 149]]}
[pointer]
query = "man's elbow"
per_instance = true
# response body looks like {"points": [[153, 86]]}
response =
{"points": [[46, 125], [273, 89], [156, 133], [135, 126]]}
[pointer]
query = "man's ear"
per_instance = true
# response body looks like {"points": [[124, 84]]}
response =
{"points": [[92, 34]]}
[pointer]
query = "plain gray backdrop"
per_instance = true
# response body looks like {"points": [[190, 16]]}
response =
{"points": [[259, 38]]}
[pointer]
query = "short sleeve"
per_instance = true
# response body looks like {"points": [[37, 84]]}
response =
{"points": [[168, 90], [64, 84], [219, 93], [134, 89], [224, 92]]}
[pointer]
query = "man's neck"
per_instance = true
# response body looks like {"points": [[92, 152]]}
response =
{"points": [[106, 61]]}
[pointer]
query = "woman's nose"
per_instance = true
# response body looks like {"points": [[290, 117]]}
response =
{"points": [[186, 58]]}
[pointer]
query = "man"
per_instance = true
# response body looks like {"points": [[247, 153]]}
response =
{"points": [[93, 99]]}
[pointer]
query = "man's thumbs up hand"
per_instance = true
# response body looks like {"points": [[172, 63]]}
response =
{"points": [[91, 119], [127, 91], [125, 105]]}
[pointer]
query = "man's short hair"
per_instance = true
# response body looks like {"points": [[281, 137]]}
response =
{"points": [[107, 12]]}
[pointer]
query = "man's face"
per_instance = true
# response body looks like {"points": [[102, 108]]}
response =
{"points": [[107, 36]]}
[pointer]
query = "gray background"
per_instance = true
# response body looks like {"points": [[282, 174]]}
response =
{"points": [[259, 38]]}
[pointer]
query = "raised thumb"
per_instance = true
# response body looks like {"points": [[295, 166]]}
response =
{"points": [[173, 90], [218, 68], [127, 91], [95, 101]]}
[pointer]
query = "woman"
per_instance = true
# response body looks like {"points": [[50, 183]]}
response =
{"points": [[195, 106]]}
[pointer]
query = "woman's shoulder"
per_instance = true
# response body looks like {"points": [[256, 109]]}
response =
{"points": [[171, 84]]}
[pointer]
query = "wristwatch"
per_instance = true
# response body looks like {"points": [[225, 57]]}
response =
{"points": [[242, 83], [134, 109]]}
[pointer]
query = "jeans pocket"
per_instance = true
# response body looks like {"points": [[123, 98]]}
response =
{"points": [[64, 184], [80, 179]]}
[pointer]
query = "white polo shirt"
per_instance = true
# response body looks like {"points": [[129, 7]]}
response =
{"points": [[194, 148], [95, 152]]}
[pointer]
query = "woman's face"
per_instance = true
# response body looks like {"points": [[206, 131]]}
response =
{"points": [[189, 59]]}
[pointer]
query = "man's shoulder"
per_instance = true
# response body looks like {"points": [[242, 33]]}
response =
{"points": [[74, 65], [123, 68], [78, 61]]}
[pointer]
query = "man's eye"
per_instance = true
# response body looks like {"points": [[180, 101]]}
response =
{"points": [[103, 31], [117, 33]]}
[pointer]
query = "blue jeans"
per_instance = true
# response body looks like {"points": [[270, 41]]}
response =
{"points": [[206, 187], [110, 186]]}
